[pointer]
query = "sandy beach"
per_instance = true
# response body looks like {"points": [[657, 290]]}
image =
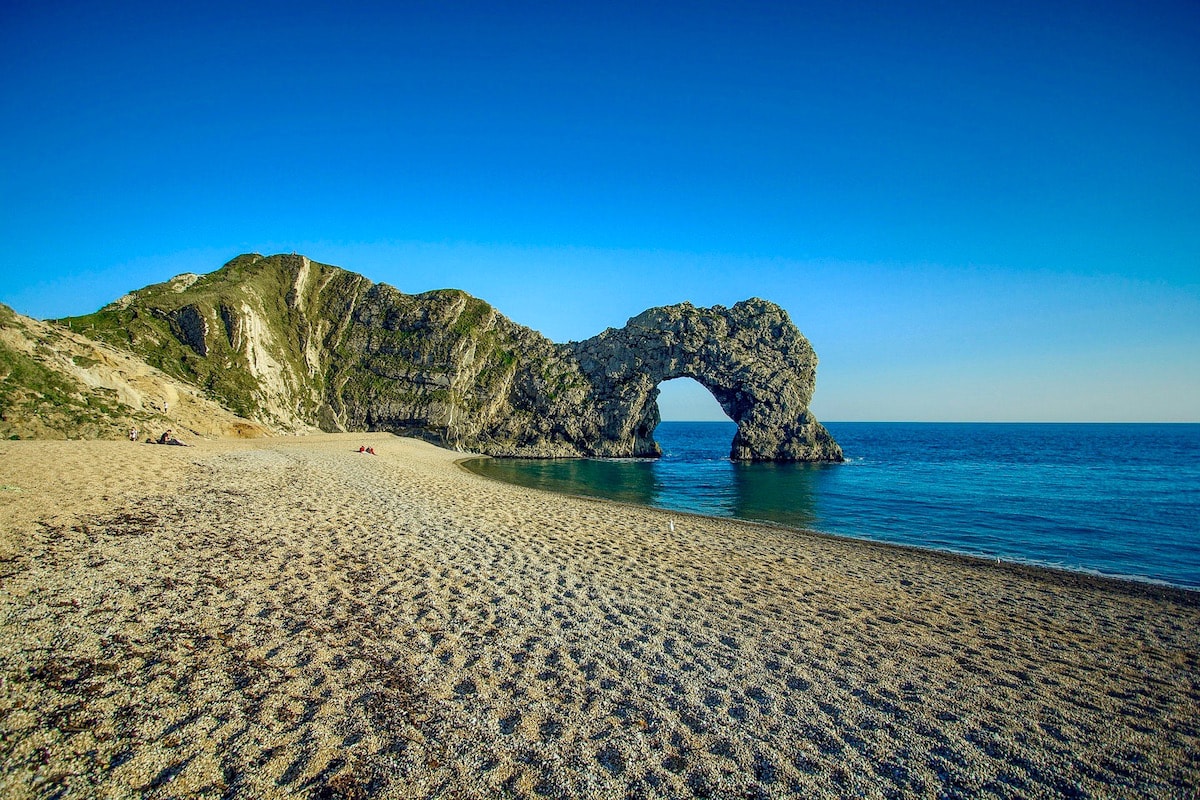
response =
{"points": [[286, 617]]}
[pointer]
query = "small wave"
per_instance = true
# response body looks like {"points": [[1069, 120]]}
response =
{"points": [[623, 460]]}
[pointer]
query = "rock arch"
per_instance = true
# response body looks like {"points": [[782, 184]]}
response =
{"points": [[758, 366], [292, 343]]}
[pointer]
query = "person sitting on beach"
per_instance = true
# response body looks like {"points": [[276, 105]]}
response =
{"points": [[167, 438], [362, 449], [133, 433], [371, 450]]}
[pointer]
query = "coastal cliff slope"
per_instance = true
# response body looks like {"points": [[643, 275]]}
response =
{"points": [[292, 344], [57, 384]]}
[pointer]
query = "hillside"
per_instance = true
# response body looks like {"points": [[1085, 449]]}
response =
{"points": [[294, 344], [56, 384]]}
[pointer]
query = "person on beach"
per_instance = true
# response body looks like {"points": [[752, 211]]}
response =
{"points": [[167, 438], [133, 433]]}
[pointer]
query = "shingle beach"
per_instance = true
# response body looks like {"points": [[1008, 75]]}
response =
{"points": [[287, 617]]}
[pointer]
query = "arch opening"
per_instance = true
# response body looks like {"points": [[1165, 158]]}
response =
{"points": [[687, 400], [696, 425]]}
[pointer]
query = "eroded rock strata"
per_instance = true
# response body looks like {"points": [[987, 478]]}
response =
{"points": [[294, 343]]}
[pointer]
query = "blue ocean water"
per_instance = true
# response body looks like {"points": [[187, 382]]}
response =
{"points": [[1114, 499]]}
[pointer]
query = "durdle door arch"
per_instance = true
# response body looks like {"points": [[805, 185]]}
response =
{"points": [[292, 343], [753, 360]]}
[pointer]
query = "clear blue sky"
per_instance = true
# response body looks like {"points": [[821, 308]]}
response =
{"points": [[975, 211]]}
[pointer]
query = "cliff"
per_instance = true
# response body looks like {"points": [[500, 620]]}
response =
{"points": [[293, 343]]}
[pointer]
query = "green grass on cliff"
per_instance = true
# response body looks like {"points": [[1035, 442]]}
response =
{"points": [[380, 350], [35, 399], [472, 316], [23, 377], [151, 338], [144, 328]]}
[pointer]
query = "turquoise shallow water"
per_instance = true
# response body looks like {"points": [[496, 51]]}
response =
{"points": [[1114, 499]]}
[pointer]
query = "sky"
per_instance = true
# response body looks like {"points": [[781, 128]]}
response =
{"points": [[974, 211]]}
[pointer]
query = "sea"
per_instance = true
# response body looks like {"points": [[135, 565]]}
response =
{"points": [[1116, 499]]}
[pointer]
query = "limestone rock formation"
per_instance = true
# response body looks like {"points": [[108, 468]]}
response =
{"points": [[751, 357], [293, 343]]}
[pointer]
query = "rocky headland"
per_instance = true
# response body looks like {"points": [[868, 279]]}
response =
{"points": [[292, 344]]}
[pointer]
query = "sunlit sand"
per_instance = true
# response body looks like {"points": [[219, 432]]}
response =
{"points": [[288, 617]]}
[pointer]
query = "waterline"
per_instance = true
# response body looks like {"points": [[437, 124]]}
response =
{"points": [[1120, 500]]}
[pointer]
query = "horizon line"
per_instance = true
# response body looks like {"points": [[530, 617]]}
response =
{"points": [[977, 421]]}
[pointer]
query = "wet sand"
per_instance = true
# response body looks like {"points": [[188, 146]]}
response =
{"points": [[287, 618]]}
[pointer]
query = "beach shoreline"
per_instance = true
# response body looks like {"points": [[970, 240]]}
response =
{"points": [[287, 617], [1135, 585]]}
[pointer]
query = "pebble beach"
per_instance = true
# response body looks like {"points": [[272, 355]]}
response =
{"points": [[286, 617]]}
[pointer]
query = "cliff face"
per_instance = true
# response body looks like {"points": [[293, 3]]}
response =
{"points": [[294, 343]]}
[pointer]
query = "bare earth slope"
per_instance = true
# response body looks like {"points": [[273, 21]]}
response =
{"points": [[57, 384], [288, 618]]}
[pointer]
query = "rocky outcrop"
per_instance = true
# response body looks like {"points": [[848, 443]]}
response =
{"points": [[294, 343], [757, 365], [190, 327]]}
